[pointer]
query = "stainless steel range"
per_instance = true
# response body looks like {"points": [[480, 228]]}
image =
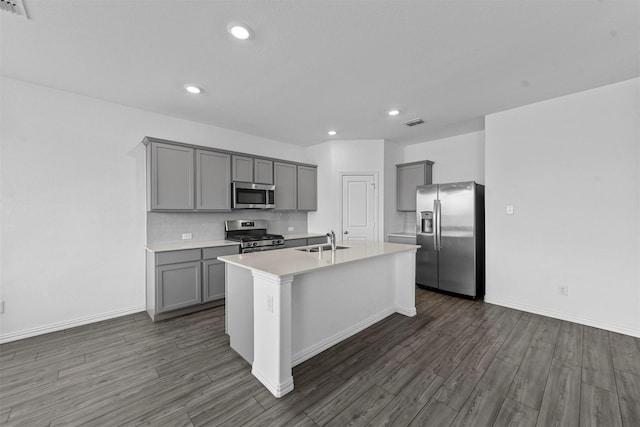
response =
{"points": [[252, 235]]}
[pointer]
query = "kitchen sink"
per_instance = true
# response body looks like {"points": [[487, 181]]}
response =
{"points": [[324, 248]]}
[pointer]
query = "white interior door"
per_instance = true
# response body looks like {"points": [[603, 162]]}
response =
{"points": [[358, 207]]}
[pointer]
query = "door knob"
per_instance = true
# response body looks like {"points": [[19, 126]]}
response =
{"points": [[346, 232]]}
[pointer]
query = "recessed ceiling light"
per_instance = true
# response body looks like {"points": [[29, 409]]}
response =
{"points": [[393, 112], [239, 30], [192, 89], [332, 132]]}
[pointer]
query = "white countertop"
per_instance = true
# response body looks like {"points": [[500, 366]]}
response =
{"points": [[292, 236], [402, 234], [177, 246], [291, 261]]}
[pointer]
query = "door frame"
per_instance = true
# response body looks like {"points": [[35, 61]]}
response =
{"points": [[376, 205]]}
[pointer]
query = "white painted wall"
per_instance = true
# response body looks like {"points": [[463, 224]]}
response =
{"points": [[457, 158], [334, 157], [570, 166], [73, 203]]}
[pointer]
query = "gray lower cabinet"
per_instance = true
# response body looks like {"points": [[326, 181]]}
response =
{"points": [[169, 177], [317, 240], [242, 168], [307, 188], [183, 281], [213, 181], [294, 243], [263, 171], [406, 240], [408, 177], [286, 182], [178, 286], [212, 280]]}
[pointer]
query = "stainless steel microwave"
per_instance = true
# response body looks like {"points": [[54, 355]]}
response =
{"points": [[246, 195]]}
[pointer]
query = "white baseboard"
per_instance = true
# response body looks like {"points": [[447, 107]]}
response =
{"points": [[309, 352], [54, 327], [407, 311], [278, 390], [563, 316]]}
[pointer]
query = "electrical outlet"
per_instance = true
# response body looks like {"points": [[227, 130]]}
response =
{"points": [[186, 236], [563, 290], [509, 209], [269, 303], [290, 229]]}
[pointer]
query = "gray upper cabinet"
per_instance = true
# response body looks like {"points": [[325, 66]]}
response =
{"points": [[170, 177], [242, 168], [263, 171], [285, 178], [307, 188], [410, 176], [213, 181], [191, 178]]}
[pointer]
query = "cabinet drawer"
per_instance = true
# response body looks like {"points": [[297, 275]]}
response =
{"points": [[213, 253], [173, 257]]}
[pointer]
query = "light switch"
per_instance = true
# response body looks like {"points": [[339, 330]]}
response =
{"points": [[509, 209]]}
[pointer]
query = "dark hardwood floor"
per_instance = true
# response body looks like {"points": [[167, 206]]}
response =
{"points": [[457, 363]]}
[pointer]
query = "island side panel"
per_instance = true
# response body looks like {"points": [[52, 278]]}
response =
{"points": [[333, 304], [239, 310], [405, 281], [272, 332]]}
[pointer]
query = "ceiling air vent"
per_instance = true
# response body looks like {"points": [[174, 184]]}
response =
{"points": [[414, 122], [15, 7]]}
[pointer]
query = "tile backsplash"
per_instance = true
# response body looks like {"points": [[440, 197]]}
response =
{"points": [[165, 227]]}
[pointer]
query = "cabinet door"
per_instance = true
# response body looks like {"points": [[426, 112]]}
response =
{"points": [[242, 168], [213, 181], [171, 177], [307, 188], [178, 286], [410, 176], [213, 280], [285, 180], [263, 171]]}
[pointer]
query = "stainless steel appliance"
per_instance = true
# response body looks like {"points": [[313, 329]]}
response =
{"points": [[450, 230], [246, 195], [252, 235]]}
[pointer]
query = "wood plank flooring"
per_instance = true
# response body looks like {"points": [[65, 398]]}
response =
{"points": [[457, 363]]}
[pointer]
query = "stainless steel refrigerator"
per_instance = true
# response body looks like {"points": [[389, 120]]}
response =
{"points": [[450, 230]]}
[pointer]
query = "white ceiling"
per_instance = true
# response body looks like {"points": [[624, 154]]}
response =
{"points": [[319, 65]]}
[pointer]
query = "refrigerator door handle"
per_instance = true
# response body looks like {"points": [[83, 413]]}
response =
{"points": [[435, 225], [437, 238]]}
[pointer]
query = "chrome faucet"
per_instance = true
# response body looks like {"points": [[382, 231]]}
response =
{"points": [[332, 240]]}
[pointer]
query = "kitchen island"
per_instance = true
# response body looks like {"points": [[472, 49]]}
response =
{"points": [[284, 307]]}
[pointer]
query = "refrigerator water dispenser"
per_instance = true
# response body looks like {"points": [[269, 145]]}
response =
{"points": [[426, 222]]}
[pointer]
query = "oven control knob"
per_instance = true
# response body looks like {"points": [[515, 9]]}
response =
{"points": [[254, 244], [279, 242]]}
